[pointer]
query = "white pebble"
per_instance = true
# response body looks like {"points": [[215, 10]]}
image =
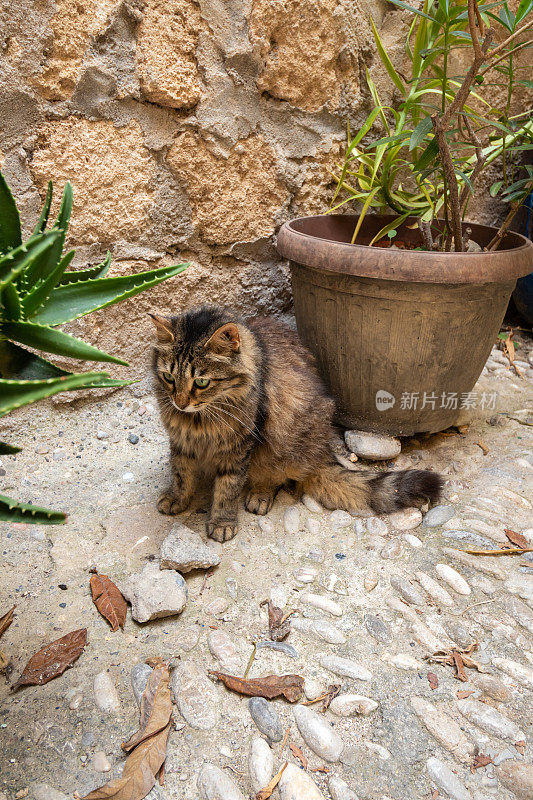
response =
{"points": [[323, 603], [437, 592], [295, 784], [444, 729], [371, 581], [311, 504], [412, 540], [340, 519], [321, 628], [404, 520], [339, 789], [313, 526], [313, 688], [345, 667], [376, 526], [446, 781], [305, 574], [490, 720], [100, 762], [260, 764], [519, 672], [291, 519], [318, 734], [214, 784], [453, 579], [346, 705], [105, 694], [485, 564], [377, 749], [402, 661], [266, 524]]}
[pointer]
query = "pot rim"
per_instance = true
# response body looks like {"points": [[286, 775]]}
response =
{"points": [[335, 255]]}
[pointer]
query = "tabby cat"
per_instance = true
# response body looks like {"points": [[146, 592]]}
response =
{"points": [[245, 409]]}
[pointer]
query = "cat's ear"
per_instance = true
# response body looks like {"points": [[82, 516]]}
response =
{"points": [[224, 339], [163, 329]]}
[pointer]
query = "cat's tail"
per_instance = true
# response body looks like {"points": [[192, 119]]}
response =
{"points": [[337, 487]]}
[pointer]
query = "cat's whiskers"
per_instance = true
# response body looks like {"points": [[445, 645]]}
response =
{"points": [[237, 419], [215, 417]]}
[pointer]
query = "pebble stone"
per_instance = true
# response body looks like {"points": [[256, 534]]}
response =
{"points": [[486, 564], [490, 720], [345, 668], [446, 781], [318, 734], [404, 520], [184, 550], [323, 603], [101, 762], [281, 647], [437, 592], [409, 592], [42, 791], [518, 777], [313, 688], [339, 789], [376, 526], [305, 574], [412, 540], [139, 678], [266, 718], [519, 672], [295, 784], [313, 526], [392, 549], [291, 519], [377, 628], [260, 764], [403, 661], [319, 627], [224, 649], [105, 693], [372, 446], [195, 696], [154, 593], [378, 749], [214, 784], [311, 504], [437, 516], [443, 728], [453, 579], [266, 524], [346, 705], [340, 519], [493, 687]]}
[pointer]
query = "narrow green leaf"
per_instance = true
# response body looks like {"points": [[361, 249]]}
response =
{"points": [[73, 300], [17, 363], [412, 9], [75, 276], [14, 511], [37, 296], [10, 301], [389, 227], [10, 236], [43, 219], [15, 394], [495, 188], [524, 8], [51, 340], [15, 262], [44, 265], [387, 63], [420, 132], [363, 213], [429, 154], [8, 449]]}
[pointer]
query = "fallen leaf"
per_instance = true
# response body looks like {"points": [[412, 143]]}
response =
{"points": [[156, 707], [278, 623], [108, 600], [457, 657], [521, 746], [320, 769], [483, 447], [509, 350], [161, 776], [462, 695], [297, 753], [265, 793], [284, 742], [463, 429], [480, 761], [433, 680], [434, 794], [326, 698], [513, 536], [4, 661], [53, 659], [290, 686], [6, 620], [459, 666], [140, 769], [505, 551]]}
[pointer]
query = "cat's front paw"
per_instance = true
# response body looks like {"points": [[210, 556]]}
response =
{"points": [[221, 530], [259, 502], [169, 504]]}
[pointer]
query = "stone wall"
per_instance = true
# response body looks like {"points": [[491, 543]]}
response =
{"points": [[189, 130]]}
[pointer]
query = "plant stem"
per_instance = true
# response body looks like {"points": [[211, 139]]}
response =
{"points": [[504, 227], [481, 158], [451, 178]]}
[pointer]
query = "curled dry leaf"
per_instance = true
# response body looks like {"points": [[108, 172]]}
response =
{"points": [[264, 794], [462, 695], [480, 761], [297, 753], [289, 686], [325, 698], [457, 657], [278, 623], [6, 620], [521, 746], [156, 707], [433, 680], [517, 539], [108, 600], [504, 551], [53, 659]]}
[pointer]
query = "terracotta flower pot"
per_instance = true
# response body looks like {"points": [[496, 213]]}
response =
{"points": [[401, 336]]}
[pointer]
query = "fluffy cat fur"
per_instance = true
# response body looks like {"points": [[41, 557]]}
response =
{"points": [[263, 421]]}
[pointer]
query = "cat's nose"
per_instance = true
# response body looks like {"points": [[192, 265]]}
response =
{"points": [[182, 401]]}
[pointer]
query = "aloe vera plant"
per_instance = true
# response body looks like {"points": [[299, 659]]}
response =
{"points": [[38, 293], [444, 131]]}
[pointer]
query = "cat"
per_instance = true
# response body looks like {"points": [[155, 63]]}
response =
{"points": [[246, 410]]}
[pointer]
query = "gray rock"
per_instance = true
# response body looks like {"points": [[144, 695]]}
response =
{"points": [[155, 593], [105, 693], [445, 780], [438, 515], [468, 537], [377, 628], [42, 791], [295, 784], [409, 592], [372, 446], [345, 668], [320, 628], [490, 720], [139, 678], [318, 734], [339, 790], [214, 784], [184, 550], [518, 777], [195, 696], [266, 718], [281, 647]]}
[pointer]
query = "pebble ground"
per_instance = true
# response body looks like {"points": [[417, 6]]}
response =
{"points": [[387, 596]]}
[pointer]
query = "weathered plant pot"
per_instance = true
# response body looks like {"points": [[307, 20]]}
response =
{"points": [[400, 336]]}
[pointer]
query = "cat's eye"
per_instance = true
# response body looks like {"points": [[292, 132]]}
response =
{"points": [[202, 383], [168, 376]]}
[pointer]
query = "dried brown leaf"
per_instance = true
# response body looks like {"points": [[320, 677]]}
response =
{"points": [[517, 539], [433, 680], [139, 773], [521, 746], [325, 770], [156, 707], [459, 666], [297, 753], [6, 620], [108, 600], [463, 694], [483, 447], [53, 659], [480, 761], [289, 686], [265, 793], [506, 551], [434, 794], [278, 623]]}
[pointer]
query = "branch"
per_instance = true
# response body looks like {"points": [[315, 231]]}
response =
{"points": [[451, 179], [509, 39], [506, 55], [480, 156], [504, 227], [425, 232]]}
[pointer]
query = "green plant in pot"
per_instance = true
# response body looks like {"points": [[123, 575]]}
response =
{"points": [[38, 293], [402, 303]]}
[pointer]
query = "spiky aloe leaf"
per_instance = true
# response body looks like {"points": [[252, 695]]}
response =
{"points": [[43, 219], [16, 261], [14, 394], [8, 449], [13, 511], [10, 236], [37, 296], [74, 300], [44, 265], [50, 340], [10, 301], [91, 273]]}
